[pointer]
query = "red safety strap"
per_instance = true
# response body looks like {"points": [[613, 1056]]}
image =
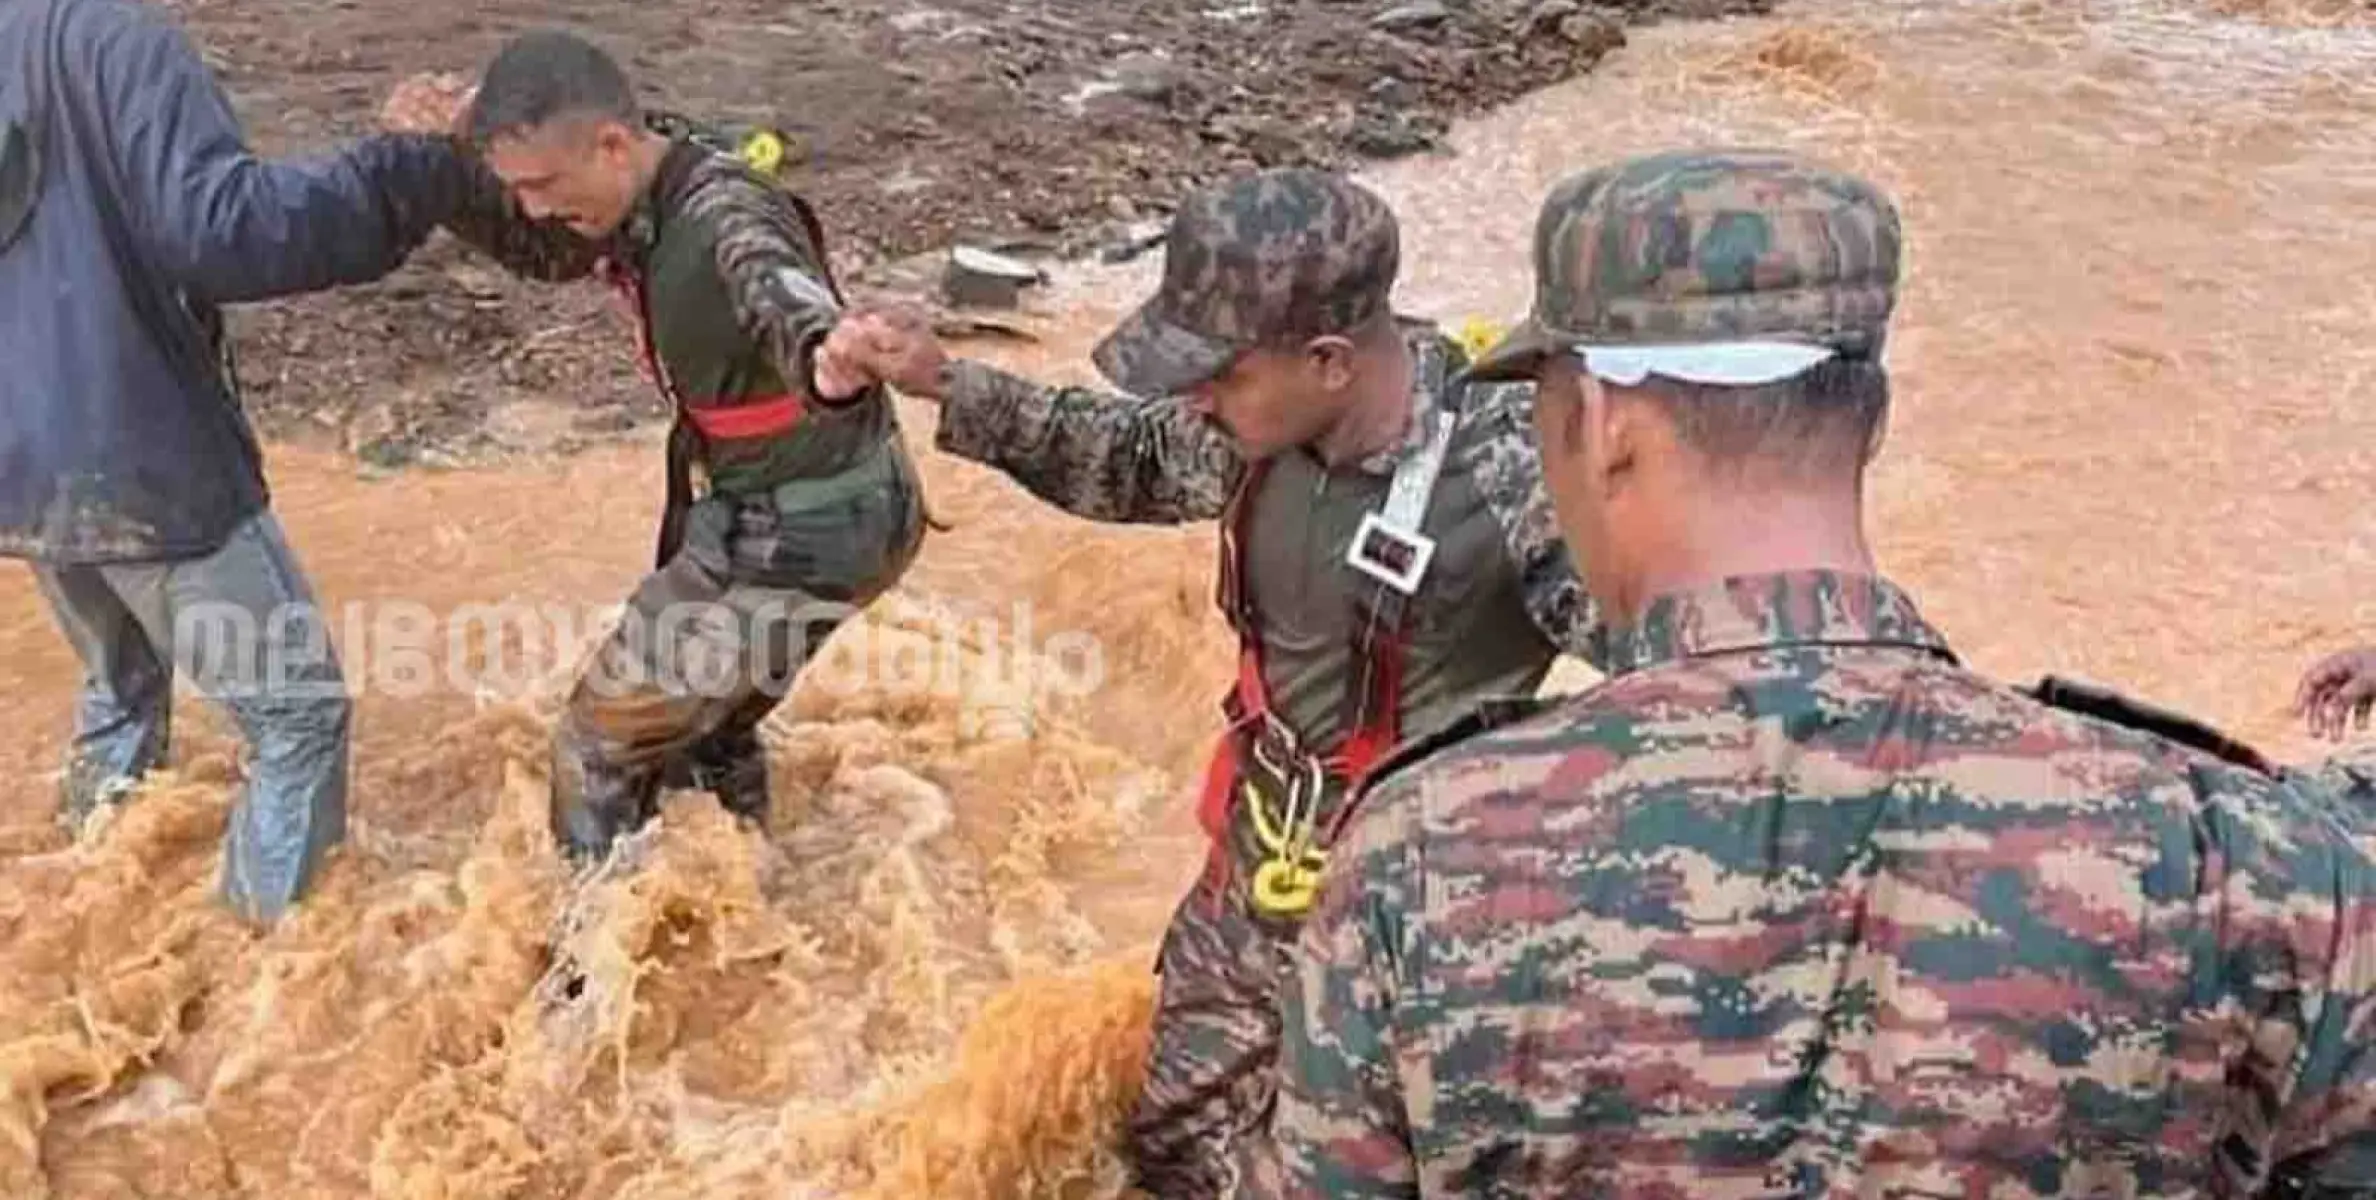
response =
{"points": [[1373, 697], [630, 289], [763, 416]]}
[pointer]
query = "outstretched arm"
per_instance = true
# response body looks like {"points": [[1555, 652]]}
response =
{"points": [[219, 220], [485, 216], [1097, 455], [776, 273]]}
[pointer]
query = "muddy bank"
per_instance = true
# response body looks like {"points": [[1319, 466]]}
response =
{"points": [[1064, 126]]}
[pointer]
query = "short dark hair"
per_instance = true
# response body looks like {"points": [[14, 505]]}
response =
{"points": [[546, 75], [1822, 423]]}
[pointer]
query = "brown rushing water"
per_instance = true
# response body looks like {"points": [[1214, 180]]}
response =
{"points": [[2135, 411]]}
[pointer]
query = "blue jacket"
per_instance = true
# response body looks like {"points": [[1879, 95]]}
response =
{"points": [[121, 433]]}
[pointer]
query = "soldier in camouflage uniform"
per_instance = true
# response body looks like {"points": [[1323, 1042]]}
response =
{"points": [[812, 507], [1793, 903], [1274, 389]]}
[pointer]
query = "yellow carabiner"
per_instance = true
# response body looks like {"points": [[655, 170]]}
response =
{"points": [[1287, 889], [1288, 880], [1267, 833]]}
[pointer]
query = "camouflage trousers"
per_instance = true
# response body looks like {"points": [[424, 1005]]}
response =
{"points": [[1211, 1069], [711, 643]]}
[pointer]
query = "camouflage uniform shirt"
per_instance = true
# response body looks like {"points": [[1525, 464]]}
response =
{"points": [[1117, 458], [774, 283], [1794, 905]]}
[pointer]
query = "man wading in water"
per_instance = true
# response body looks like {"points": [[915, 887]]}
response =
{"points": [[813, 507]]}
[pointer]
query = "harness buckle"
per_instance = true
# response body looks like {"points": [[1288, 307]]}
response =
{"points": [[1390, 554]]}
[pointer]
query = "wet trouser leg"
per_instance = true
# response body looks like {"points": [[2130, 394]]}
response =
{"points": [[1211, 1067], [123, 715], [695, 663], [710, 644], [243, 624], [730, 763]]}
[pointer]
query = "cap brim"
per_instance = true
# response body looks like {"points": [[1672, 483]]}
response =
{"points": [[1518, 356], [1730, 364], [1148, 356]]}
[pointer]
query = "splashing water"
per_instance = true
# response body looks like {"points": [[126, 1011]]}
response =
{"points": [[2133, 371]]}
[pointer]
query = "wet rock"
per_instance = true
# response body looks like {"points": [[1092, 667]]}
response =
{"points": [[1408, 18], [1149, 77], [981, 279], [387, 453], [1268, 142], [1547, 15], [1133, 240], [1394, 91], [1380, 134], [922, 20], [1594, 32]]}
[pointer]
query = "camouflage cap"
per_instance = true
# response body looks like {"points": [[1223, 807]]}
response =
{"points": [[1723, 266], [1271, 259]]}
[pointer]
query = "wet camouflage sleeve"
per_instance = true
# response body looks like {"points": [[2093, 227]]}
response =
{"points": [[1829, 918], [491, 221], [1097, 455], [773, 271], [1509, 471]]}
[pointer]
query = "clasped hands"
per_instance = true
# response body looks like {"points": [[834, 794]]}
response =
{"points": [[892, 345]]}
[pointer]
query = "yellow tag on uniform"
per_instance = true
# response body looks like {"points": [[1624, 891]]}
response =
{"points": [[1476, 335], [764, 151]]}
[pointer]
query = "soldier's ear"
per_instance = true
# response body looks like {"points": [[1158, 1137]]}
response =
{"points": [[1331, 359], [1620, 434], [614, 141]]}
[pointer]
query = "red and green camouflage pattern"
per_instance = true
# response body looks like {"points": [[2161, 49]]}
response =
{"points": [[1795, 904], [1274, 258], [1703, 246]]}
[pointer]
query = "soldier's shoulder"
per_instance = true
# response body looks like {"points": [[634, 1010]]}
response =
{"points": [[716, 180], [1443, 351], [2184, 772], [2162, 727], [1493, 728]]}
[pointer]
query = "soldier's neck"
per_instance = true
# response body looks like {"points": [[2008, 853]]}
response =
{"points": [[1378, 420], [1722, 538], [651, 149]]}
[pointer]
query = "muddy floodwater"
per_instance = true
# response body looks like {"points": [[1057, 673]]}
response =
{"points": [[2135, 433]]}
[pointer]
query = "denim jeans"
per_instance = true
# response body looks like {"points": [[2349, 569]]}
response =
{"points": [[242, 625]]}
